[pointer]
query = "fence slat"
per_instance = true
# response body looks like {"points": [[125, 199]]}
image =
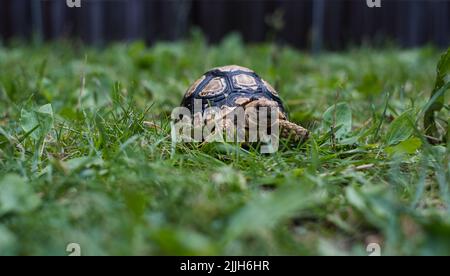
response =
{"points": [[315, 24]]}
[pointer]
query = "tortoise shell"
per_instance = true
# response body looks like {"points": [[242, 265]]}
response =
{"points": [[230, 86]]}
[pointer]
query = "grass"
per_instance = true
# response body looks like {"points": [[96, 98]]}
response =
{"points": [[86, 169]]}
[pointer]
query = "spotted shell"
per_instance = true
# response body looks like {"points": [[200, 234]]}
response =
{"points": [[230, 86]]}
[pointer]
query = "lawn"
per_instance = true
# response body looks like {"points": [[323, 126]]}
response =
{"points": [[86, 155]]}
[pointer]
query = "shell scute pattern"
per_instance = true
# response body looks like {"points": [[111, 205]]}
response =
{"points": [[214, 87], [270, 88], [230, 86], [244, 81], [194, 86]]}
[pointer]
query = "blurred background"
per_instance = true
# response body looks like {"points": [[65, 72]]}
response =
{"points": [[305, 24]]}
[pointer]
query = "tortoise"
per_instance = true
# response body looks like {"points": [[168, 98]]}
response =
{"points": [[234, 86]]}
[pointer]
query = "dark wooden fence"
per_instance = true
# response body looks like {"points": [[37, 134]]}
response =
{"points": [[331, 24]]}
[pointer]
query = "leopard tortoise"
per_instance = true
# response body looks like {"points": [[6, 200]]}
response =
{"points": [[234, 86]]}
